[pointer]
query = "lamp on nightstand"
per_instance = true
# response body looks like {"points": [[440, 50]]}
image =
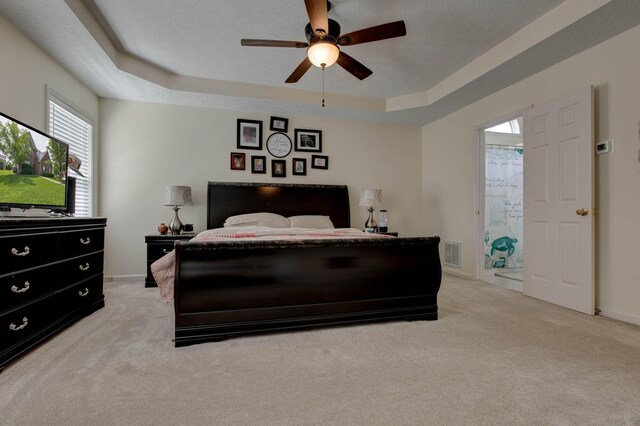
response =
{"points": [[176, 196], [370, 198]]}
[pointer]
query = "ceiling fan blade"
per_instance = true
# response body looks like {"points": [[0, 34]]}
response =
{"points": [[299, 72], [318, 16], [272, 43], [379, 32], [353, 66]]}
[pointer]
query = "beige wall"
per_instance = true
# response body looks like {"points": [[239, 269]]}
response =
{"points": [[146, 146], [26, 71], [448, 164]]}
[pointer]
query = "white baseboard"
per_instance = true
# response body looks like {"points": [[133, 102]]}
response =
{"points": [[457, 273], [124, 278], [632, 319]]}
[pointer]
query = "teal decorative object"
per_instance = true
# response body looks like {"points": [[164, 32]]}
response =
{"points": [[503, 247]]}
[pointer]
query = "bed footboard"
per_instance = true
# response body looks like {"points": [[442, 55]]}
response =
{"points": [[225, 289]]}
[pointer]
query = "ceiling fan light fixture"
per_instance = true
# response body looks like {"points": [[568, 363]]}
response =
{"points": [[323, 53]]}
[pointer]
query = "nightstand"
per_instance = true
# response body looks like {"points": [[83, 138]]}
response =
{"points": [[394, 234], [157, 246]]}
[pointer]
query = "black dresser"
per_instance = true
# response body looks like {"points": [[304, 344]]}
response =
{"points": [[51, 273]]}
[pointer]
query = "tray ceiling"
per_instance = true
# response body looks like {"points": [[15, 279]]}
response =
{"points": [[188, 51]]}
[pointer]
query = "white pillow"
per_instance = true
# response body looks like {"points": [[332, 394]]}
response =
{"points": [[311, 221], [257, 219]]}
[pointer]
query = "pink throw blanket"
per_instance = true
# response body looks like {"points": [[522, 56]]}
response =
{"points": [[163, 269]]}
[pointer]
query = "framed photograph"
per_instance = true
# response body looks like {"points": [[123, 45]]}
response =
{"points": [[308, 140], [237, 161], [258, 164], [319, 162], [279, 124], [278, 168], [299, 166], [249, 134]]}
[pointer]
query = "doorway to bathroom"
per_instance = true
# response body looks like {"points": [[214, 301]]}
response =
{"points": [[501, 213]]}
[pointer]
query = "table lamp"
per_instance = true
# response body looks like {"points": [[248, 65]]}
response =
{"points": [[176, 196], [370, 198]]}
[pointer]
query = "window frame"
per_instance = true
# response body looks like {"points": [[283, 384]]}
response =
{"points": [[53, 96]]}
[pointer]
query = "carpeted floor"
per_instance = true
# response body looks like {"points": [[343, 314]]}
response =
{"points": [[495, 357]]}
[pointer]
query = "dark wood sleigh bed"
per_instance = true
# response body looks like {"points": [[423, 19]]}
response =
{"points": [[225, 289]]}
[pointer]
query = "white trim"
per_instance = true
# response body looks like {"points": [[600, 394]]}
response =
{"points": [[478, 226], [457, 273], [124, 278], [631, 319], [93, 148]]}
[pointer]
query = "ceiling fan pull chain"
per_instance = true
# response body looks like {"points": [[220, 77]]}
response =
{"points": [[323, 66]]}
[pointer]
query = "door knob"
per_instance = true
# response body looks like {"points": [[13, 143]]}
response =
{"points": [[582, 212]]}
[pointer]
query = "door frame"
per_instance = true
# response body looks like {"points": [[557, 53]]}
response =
{"points": [[478, 144]]}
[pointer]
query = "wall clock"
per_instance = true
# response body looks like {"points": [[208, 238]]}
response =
{"points": [[279, 145]]}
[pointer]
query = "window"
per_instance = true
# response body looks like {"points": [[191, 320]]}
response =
{"points": [[512, 126], [66, 124]]}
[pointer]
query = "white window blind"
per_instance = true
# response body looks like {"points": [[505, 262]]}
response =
{"points": [[69, 127]]}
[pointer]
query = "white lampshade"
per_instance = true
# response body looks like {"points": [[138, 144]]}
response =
{"points": [[370, 197], [323, 52], [177, 195]]}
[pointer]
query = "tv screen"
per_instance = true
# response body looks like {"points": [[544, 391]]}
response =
{"points": [[33, 167]]}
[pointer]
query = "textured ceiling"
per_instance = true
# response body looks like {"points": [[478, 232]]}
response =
{"points": [[188, 51]]}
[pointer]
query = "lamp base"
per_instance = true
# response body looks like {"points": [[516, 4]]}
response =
{"points": [[371, 225], [175, 226]]}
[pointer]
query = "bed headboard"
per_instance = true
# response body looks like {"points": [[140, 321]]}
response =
{"points": [[226, 199]]}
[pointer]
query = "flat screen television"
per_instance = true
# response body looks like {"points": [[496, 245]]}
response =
{"points": [[33, 167]]}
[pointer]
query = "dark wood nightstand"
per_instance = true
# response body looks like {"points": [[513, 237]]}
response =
{"points": [[157, 246]]}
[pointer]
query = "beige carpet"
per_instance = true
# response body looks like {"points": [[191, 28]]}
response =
{"points": [[494, 357]]}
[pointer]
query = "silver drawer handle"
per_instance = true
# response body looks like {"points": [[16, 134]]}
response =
{"points": [[85, 242], [84, 293], [14, 327], [15, 289], [85, 267], [15, 251]]}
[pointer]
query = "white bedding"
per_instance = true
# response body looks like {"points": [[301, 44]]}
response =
{"points": [[163, 269]]}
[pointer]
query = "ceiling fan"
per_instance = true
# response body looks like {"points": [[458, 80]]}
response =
{"points": [[324, 39]]}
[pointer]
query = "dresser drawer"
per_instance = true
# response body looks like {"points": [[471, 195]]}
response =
{"points": [[23, 287], [156, 250], [82, 294], [27, 250], [81, 268], [28, 320], [73, 243]]}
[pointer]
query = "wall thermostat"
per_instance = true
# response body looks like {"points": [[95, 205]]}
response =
{"points": [[604, 146]]}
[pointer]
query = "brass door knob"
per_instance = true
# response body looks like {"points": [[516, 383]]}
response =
{"points": [[582, 212]]}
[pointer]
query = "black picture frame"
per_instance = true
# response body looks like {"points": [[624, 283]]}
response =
{"points": [[299, 166], [249, 134], [279, 145], [320, 162], [258, 164], [278, 168], [279, 124], [238, 161], [307, 140]]}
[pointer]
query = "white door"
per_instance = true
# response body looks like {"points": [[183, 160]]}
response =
{"points": [[558, 202]]}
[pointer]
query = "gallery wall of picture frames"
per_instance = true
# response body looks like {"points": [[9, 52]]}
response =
{"points": [[278, 146]]}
